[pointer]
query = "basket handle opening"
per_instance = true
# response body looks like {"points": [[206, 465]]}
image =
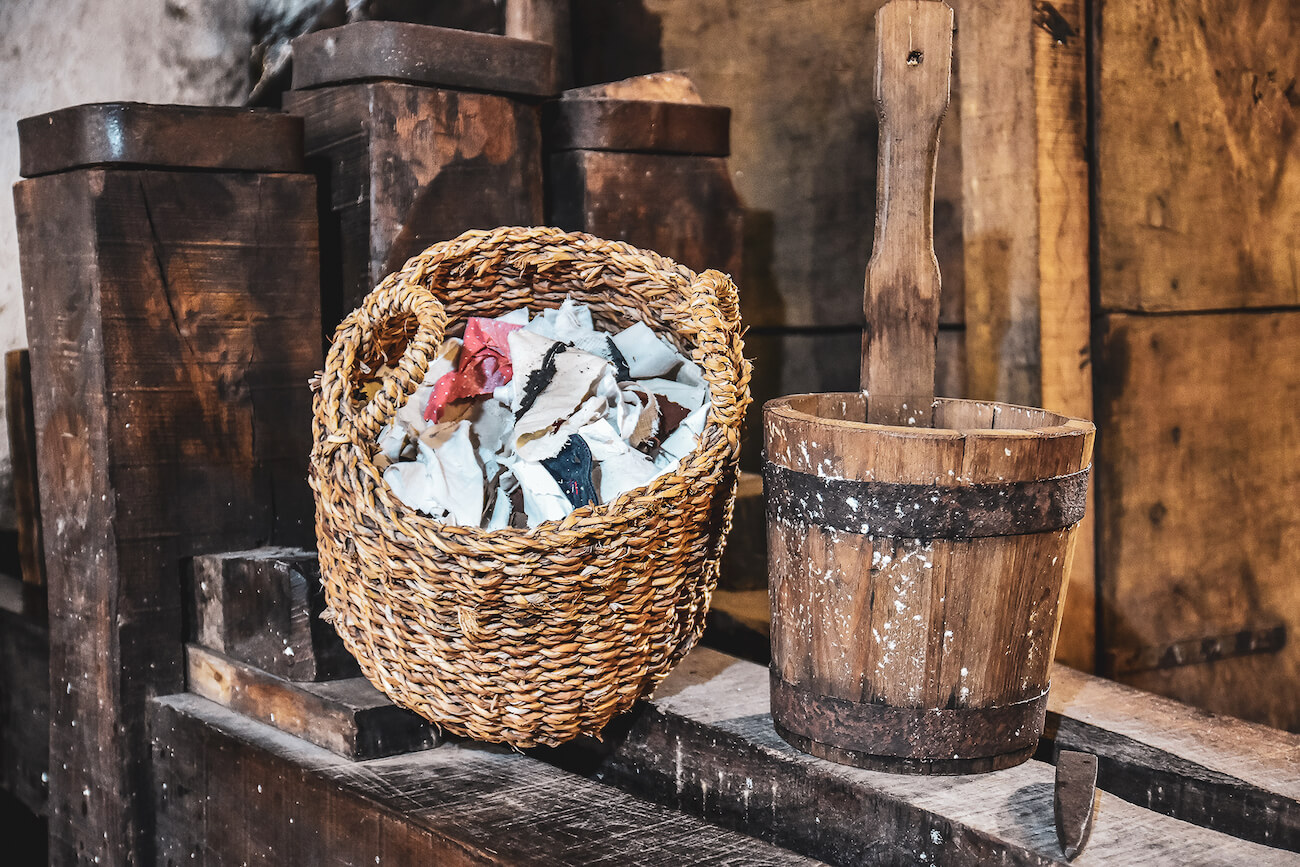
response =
{"points": [[382, 323]]}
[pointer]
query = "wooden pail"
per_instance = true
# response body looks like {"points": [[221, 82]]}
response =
{"points": [[916, 576]]}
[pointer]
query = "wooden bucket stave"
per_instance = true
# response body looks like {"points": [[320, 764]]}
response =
{"points": [[916, 577]]}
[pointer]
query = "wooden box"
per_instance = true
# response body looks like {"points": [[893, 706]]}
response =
{"points": [[170, 267], [416, 133]]}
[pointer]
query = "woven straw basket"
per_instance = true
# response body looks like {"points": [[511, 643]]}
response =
{"points": [[523, 636]]}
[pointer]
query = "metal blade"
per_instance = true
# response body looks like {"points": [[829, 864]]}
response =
{"points": [[1076, 791]]}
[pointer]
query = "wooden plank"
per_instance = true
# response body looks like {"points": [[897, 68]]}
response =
{"points": [[24, 698], [114, 260], [138, 134], [1026, 231], [263, 796], [1197, 476], [263, 607], [420, 54], [403, 166], [1210, 224], [22, 452], [705, 745], [348, 716], [637, 125]]}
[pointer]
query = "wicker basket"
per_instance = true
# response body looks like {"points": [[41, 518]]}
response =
{"points": [[523, 636]]}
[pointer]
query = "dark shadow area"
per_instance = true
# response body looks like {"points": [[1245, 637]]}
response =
{"points": [[619, 39]]}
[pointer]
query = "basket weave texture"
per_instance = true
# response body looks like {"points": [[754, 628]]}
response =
{"points": [[532, 636]]}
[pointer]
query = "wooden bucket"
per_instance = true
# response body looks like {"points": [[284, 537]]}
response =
{"points": [[916, 576]]}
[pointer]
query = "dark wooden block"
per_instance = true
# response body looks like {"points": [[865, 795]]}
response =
{"points": [[348, 717], [173, 323], [181, 136], [22, 451], [229, 790], [683, 207], [403, 166], [637, 125], [263, 607], [421, 54]]}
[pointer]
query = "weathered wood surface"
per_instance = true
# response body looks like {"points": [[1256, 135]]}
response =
{"points": [[173, 325], [1212, 223], [888, 601], [230, 790], [420, 54], [137, 134], [348, 717], [403, 166], [263, 607], [24, 697], [1025, 214], [901, 297], [1197, 474], [22, 453], [705, 744], [683, 207]]}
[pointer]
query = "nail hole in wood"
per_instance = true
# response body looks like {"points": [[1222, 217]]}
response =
{"points": [[915, 57]]}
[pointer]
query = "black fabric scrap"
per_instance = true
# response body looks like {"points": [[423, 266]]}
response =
{"points": [[621, 369], [539, 379], [571, 469]]}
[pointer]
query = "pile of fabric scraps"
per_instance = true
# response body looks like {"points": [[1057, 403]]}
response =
{"points": [[527, 418]]}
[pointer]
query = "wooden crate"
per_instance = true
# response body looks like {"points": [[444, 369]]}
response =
{"points": [[416, 133]]}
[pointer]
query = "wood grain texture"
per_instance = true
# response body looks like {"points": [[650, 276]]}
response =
{"points": [[917, 623], [1199, 535], [173, 325], [180, 136], [901, 298], [348, 717], [263, 607], [22, 452], [24, 698], [230, 790], [683, 207], [420, 54], [402, 166], [1198, 159], [705, 745]]}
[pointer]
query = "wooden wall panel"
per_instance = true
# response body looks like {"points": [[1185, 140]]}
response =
{"points": [[1198, 156], [1199, 532]]}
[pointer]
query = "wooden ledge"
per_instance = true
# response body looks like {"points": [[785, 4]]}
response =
{"points": [[230, 790], [420, 54], [163, 136], [706, 745]]}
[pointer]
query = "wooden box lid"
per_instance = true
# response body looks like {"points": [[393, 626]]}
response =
{"points": [[421, 54], [657, 113], [159, 136]]}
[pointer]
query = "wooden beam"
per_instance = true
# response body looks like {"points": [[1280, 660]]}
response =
{"points": [[173, 323]]}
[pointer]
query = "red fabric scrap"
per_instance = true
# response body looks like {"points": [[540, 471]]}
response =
{"points": [[484, 365]]}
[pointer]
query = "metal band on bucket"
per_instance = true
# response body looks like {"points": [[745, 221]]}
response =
{"points": [[924, 734], [925, 511]]}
